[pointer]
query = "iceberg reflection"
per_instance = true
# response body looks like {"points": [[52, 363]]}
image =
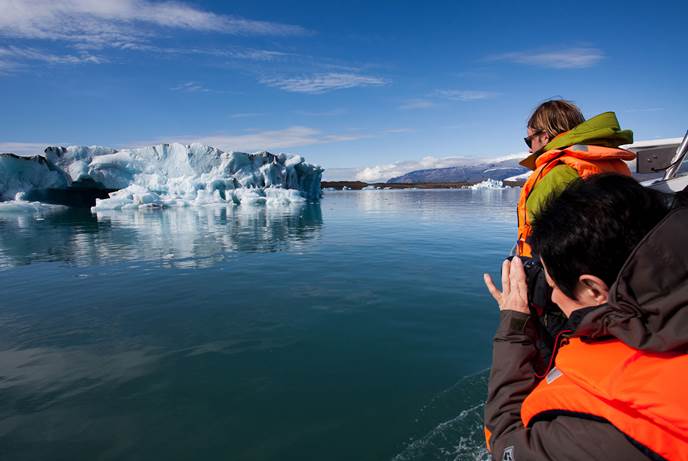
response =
{"points": [[180, 237]]}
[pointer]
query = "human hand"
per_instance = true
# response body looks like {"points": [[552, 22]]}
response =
{"points": [[514, 294]]}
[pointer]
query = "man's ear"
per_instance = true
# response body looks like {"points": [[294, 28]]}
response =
{"points": [[592, 289]]}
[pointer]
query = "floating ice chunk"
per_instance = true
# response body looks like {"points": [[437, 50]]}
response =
{"points": [[134, 196], [488, 184], [283, 197], [20, 205]]}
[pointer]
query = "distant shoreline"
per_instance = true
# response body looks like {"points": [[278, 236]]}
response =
{"points": [[358, 185]]}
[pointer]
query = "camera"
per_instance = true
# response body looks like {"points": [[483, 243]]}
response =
{"points": [[550, 320]]}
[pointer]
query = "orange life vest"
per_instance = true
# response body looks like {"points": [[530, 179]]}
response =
{"points": [[641, 394], [586, 160]]}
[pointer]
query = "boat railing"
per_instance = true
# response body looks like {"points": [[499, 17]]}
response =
{"points": [[678, 159]]}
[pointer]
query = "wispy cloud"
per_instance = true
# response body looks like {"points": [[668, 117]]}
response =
{"points": [[399, 130], [190, 87], [339, 174], [247, 115], [440, 97], [26, 148], [325, 113], [11, 56], [322, 83], [230, 52], [465, 95], [294, 136], [569, 58], [104, 23], [648, 109], [413, 104]]}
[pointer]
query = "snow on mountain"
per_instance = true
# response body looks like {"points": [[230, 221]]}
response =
{"points": [[520, 177], [163, 175], [475, 171]]}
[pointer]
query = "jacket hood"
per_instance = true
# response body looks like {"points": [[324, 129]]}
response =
{"points": [[648, 304], [601, 130]]}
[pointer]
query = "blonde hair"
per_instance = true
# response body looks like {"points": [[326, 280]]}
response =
{"points": [[555, 117]]}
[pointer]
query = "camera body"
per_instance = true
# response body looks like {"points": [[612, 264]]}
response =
{"points": [[550, 320]]}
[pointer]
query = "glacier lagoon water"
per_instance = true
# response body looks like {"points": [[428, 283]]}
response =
{"points": [[357, 328]]}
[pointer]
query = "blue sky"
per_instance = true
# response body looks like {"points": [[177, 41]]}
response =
{"points": [[348, 84]]}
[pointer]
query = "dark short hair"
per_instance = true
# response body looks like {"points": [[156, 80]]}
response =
{"points": [[555, 116], [593, 226]]}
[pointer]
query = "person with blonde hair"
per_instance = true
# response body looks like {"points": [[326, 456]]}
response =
{"points": [[563, 147]]}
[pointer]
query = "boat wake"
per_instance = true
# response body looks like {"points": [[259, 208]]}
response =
{"points": [[458, 436]]}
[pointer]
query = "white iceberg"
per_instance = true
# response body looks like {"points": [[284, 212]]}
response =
{"points": [[488, 184], [164, 175]]}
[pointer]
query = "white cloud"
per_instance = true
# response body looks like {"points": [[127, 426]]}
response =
{"points": [[339, 174], [399, 130], [254, 54], [11, 55], [230, 52], [190, 87], [648, 109], [438, 97], [570, 58], [294, 136], [381, 173], [465, 95], [322, 83], [413, 104], [325, 113], [25, 148], [246, 115], [112, 22]]}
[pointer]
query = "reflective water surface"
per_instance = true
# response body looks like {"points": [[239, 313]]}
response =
{"points": [[356, 328]]}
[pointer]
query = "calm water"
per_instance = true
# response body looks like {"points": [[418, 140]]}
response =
{"points": [[356, 329]]}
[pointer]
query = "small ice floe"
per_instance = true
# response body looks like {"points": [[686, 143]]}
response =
{"points": [[488, 184], [20, 205]]}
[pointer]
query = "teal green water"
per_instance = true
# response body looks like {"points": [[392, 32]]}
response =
{"points": [[354, 329]]}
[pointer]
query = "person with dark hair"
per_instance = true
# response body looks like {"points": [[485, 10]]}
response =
{"points": [[615, 256], [564, 147]]}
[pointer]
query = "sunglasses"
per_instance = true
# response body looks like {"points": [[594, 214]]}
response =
{"points": [[529, 139]]}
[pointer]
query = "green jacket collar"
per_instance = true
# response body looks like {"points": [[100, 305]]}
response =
{"points": [[601, 130]]}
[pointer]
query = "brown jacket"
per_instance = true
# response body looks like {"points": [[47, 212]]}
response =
{"points": [[647, 309]]}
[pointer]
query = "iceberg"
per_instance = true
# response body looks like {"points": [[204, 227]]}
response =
{"points": [[488, 184], [164, 175]]}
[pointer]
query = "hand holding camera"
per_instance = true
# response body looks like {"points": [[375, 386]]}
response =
{"points": [[514, 294]]}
